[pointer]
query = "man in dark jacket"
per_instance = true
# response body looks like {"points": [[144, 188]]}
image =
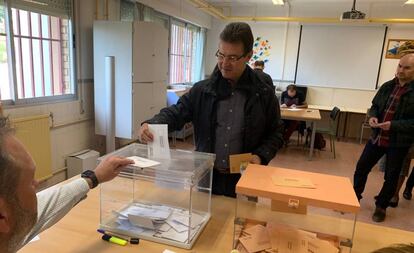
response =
{"points": [[392, 121], [232, 112], [264, 77]]}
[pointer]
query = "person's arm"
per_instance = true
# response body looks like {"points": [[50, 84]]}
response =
{"points": [[174, 116], [403, 125], [373, 113], [374, 110], [55, 202], [273, 141]]}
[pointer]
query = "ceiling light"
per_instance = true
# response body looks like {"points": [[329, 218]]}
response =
{"points": [[409, 2], [281, 2]]}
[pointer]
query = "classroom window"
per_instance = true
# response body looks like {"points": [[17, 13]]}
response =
{"points": [[186, 53], [42, 62], [5, 92], [40, 51]]}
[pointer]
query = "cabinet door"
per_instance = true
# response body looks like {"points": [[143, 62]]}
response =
{"points": [[160, 96], [150, 52], [161, 54], [142, 104]]}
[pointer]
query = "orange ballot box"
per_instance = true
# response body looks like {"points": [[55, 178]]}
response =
{"points": [[283, 210]]}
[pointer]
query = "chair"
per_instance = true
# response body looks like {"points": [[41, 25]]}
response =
{"points": [[331, 131], [364, 125]]}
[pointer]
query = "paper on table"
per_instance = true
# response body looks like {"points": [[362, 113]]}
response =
{"points": [[294, 109], [293, 182], [321, 246], [141, 221], [142, 162], [176, 225], [36, 238], [168, 251], [174, 235], [159, 147], [127, 226], [152, 212], [195, 220]]}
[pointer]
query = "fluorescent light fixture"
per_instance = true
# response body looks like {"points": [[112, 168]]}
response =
{"points": [[281, 2], [409, 2]]}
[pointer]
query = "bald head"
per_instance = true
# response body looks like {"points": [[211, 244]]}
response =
{"points": [[405, 69]]}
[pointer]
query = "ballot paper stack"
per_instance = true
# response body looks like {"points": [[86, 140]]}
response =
{"points": [[159, 221], [276, 238]]}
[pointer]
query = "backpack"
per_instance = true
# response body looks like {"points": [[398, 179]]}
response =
{"points": [[320, 142]]}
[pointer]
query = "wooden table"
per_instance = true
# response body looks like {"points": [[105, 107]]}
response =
{"points": [[310, 115], [76, 233]]}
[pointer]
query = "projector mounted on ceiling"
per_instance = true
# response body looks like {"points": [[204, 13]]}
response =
{"points": [[352, 14]]}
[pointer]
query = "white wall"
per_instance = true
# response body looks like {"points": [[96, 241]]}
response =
{"points": [[283, 54], [389, 66]]}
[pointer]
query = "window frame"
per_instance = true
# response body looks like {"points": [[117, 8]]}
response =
{"points": [[16, 101], [190, 27]]}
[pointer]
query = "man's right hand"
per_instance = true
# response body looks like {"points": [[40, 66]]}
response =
{"points": [[144, 134], [373, 122], [283, 105], [109, 168]]}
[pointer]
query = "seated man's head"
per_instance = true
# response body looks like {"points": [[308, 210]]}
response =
{"points": [[291, 90], [234, 50], [18, 203], [259, 64]]}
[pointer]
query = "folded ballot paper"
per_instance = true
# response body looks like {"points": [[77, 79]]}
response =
{"points": [[279, 238], [141, 162], [159, 221]]}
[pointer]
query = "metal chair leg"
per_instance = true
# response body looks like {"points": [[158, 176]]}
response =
{"points": [[362, 132]]}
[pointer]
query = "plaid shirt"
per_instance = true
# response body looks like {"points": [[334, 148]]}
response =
{"points": [[383, 139]]}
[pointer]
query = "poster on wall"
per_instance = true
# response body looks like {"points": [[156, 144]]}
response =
{"points": [[394, 45], [261, 51]]}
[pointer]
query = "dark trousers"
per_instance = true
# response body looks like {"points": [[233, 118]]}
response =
{"points": [[290, 127], [369, 157], [225, 183], [410, 181]]}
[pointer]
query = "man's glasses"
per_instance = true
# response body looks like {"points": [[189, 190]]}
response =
{"points": [[229, 58]]}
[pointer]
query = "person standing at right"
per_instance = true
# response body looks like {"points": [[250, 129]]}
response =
{"points": [[392, 122]]}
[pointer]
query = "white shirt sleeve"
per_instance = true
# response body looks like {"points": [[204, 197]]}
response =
{"points": [[55, 202]]}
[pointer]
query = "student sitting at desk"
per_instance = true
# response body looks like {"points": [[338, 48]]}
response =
{"points": [[291, 98]]}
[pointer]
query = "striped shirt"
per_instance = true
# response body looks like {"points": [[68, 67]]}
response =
{"points": [[383, 138]]}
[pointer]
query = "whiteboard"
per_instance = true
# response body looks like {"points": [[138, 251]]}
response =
{"points": [[340, 56]]}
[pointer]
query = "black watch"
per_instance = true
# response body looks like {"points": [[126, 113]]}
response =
{"points": [[91, 175]]}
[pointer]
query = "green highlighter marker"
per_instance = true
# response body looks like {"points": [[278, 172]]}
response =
{"points": [[114, 239]]}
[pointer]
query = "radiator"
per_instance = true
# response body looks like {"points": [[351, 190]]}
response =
{"points": [[34, 133]]}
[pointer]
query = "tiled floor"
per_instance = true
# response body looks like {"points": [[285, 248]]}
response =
{"points": [[348, 152]]}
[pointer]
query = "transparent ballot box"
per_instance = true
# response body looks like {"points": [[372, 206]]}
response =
{"points": [[167, 203], [283, 210]]}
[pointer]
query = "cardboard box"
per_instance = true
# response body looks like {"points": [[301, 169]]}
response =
{"points": [[81, 161]]}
